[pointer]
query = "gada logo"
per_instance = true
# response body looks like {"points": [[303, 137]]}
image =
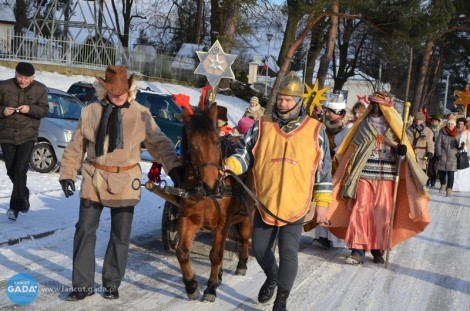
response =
{"points": [[22, 289]]}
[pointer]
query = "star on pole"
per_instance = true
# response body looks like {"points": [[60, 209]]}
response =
{"points": [[215, 64], [313, 98], [463, 98]]}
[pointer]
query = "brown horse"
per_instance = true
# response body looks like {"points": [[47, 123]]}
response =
{"points": [[213, 202]]}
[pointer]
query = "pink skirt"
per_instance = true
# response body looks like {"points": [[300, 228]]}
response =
{"points": [[370, 215]]}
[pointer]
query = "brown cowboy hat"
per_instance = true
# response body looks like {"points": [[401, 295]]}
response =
{"points": [[115, 80]]}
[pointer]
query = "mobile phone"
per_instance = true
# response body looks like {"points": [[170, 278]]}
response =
{"points": [[17, 110]]}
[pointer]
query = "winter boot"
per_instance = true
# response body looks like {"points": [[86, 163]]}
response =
{"points": [[280, 303], [378, 256], [442, 189], [449, 192], [267, 290]]}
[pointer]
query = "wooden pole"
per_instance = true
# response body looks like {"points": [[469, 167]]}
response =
{"points": [[397, 181], [407, 91], [150, 186]]}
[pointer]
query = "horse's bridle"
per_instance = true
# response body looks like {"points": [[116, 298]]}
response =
{"points": [[200, 189]]}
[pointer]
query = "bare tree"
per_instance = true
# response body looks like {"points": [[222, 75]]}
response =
{"points": [[125, 17], [330, 46]]}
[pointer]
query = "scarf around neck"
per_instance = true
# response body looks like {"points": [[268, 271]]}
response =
{"points": [[452, 133], [111, 126]]}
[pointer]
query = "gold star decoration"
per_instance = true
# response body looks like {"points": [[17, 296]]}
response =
{"points": [[215, 64], [313, 98], [463, 98]]}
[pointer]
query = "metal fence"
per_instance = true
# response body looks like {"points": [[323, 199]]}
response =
{"points": [[146, 62]]}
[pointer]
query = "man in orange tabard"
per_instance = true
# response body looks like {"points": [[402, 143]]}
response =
{"points": [[289, 155]]}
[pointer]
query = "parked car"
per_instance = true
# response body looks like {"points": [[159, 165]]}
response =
{"points": [[84, 91], [55, 131], [165, 111]]}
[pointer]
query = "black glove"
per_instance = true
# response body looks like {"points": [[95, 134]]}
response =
{"points": [[68, 187], [176, 174], [401, 150], [428, 155]]}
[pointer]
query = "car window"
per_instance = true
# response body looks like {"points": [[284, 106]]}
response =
{"points": [[160, 106], [64, 107]]}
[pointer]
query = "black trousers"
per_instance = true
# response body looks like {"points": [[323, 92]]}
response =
{"points": [[449, 175], [16, 159], [115, 259], [263, 238]]}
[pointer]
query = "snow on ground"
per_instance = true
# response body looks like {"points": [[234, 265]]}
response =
{"points": [[429, 272]]}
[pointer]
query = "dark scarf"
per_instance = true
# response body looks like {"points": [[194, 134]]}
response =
{"points": [[111, 125]]}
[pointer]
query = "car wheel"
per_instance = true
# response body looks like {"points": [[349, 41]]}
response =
{"points": [[43, 159]]}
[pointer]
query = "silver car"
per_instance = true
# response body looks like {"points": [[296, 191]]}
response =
{"points": [[55, 131]]}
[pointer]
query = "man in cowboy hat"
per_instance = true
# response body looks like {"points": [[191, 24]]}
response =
{"points": [[110, 133], [275, 147], [23, 102]]}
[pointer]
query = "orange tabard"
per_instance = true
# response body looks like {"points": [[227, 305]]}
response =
{"points": [[284, 169]]}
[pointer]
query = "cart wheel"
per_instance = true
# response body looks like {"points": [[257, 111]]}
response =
{"points": [[170, 220]]}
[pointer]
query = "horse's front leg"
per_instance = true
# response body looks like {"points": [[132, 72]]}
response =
{"points": [[216, 256], [187, 229]]}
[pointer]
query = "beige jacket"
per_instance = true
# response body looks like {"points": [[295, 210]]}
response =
{"points": [[421, 145], [254, 114], [123, 188]]}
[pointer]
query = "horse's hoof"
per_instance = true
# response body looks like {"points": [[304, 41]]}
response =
{"points": [[192, 289], [241, 268], [208, 297], [240, 271], [195, 295]]}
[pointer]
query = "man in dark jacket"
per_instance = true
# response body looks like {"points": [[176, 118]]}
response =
{"points": [[23, 102]]}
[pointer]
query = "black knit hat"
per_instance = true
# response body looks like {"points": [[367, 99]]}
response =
{"points": [[25, 69]]}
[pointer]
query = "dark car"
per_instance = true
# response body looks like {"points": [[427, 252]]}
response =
{"points": [[164, 110], [83, 91], [55, 130]]}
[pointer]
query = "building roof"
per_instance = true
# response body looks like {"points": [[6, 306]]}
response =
{"points": [[6, 14]]}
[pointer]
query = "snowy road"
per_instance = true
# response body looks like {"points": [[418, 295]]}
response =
{"points": [[429, 272]]}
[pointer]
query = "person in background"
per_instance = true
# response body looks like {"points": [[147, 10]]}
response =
{"points": [[364, 184], [464, 138], [461, 124], [432, 172], [286, 180], [23, 103], [222, 122], [338, 121], [110, 132], [434, 125], [254, 110], [421, 139], [462, 175], [244, 124], [358, 110], [447, 146]]}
